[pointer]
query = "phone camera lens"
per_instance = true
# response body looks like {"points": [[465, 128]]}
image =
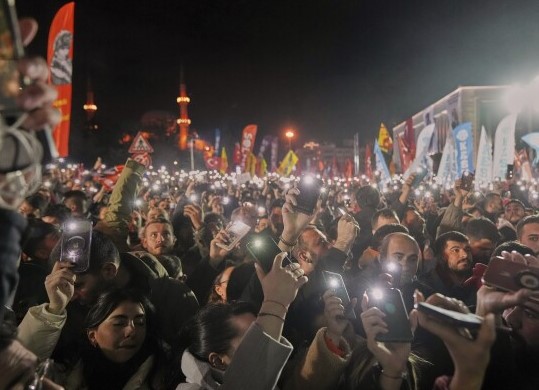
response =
{"points": [[528, 280], [75, 246]]}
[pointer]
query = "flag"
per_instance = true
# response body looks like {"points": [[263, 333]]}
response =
{"points": [[385, 143], [381, 165], [247, 143], [532, 139], [483, 166], [423, 142], [236, 158], [250, 165], [217, 141], [463, 138], [266, 142], [522, 165], [262, 167], [348, 168], [404, 152], [504, 146], [447, 171], [274, 153], [60, 62], [223, 168], [288, 163], [409, 138], [368, 161], [213, 163], [109, 177]]}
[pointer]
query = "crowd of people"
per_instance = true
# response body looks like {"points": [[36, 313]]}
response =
{"points": [[157, 294]]}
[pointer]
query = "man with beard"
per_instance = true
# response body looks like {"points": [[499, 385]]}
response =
{"points": [[415, 223], [158, 239], [453, 268], [514, 211], [484, 237], [528, 232], [174, 302]]}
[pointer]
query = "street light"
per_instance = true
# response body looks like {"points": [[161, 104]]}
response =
{"points": [[289, 135]]}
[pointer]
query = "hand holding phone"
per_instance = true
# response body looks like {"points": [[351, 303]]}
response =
{"points": [[335, 282], [264, 249], [76, 243], [235, 232], [391, 303]]}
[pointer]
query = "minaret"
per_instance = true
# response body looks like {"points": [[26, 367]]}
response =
{"points": [[183, 121], [90, 107]]}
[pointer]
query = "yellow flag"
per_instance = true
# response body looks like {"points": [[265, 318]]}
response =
{"points": [[288, 163], [263, 168], [384, 139], [251, 164], [224, 162]]}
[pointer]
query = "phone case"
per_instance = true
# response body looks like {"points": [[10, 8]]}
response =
{"points": [[76, 243], [264, 250], [469, 321], [335, 282], [236, 231], [511, 276], [308, 196], [398, 323]]}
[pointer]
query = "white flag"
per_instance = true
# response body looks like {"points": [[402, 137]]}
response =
{"points": [[448, 164], [504, 146], [483, 166]]}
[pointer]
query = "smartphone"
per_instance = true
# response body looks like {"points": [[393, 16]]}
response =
{"points": [[509, 173], [310, 189], [334, 281], [511, 276], [466, 181], [460, 320], [264, 249], [236, 231], [75, 244], [390, 302], [420, 174]]}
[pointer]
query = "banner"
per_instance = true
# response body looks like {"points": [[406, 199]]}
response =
{"points": [[262, 167], [385, 143], [409, 138], [247, 143], [504, 146], [463, 138], [236, 157], [483, 166], [60, 62], [250, 164], [453, 109], [532, 139], [381, 165], [223, 168], [423, 142], [217, 141], [266, 141], [447, 172], [288, 163], [404, 153], [274, 153]]}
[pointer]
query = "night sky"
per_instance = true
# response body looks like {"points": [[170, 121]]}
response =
{"points": [[327, 68]]}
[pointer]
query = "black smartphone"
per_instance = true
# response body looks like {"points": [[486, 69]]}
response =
{"points": [[466, 181], [390, 302], [76, 243], [509, 173], [420, 174], [460, 320], [310, 189], [334, 281], [264, 249]]}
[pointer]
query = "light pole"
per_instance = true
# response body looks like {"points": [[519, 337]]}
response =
{"points": [[289, 135]]}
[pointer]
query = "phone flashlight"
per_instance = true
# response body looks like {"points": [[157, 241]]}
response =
{"points": [[377, 294], [333, 283]]}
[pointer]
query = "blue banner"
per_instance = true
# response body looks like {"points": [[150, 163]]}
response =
{"points": [[381, 165], [464, 147]]}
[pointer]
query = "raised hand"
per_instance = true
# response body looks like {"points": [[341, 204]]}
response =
{"points": [[334, 315], [60, 287]]}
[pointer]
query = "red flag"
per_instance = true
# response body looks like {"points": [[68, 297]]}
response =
{"points": [[60, 61], [247, 143], [213, 162], [348, 168], [368, 161], [406, 156], [236, 159], [409, 137]]}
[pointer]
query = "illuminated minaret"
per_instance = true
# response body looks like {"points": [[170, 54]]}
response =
{"points": [[183, 121], [90, 107]]}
